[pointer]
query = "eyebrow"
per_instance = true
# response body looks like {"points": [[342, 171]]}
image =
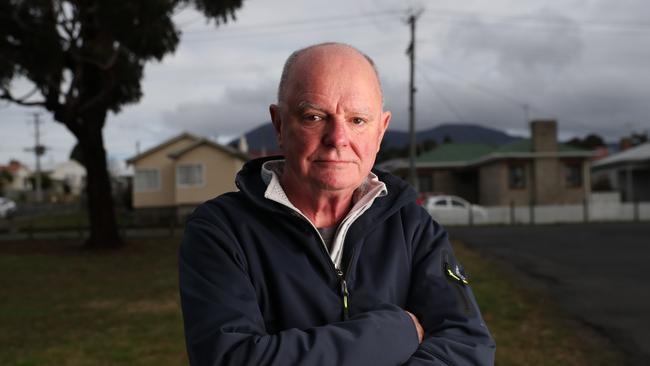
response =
{"points": [[309, 105]]}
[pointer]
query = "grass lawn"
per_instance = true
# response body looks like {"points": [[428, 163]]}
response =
{"points": [[64, 306]]}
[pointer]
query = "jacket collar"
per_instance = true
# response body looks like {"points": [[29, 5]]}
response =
{"points": [[251, 183], [272, 170]]}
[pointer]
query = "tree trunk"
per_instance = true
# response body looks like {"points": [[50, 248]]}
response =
{"points": [[101, 211]]}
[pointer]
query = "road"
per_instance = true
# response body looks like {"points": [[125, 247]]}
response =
{"points": [[599, 273]]}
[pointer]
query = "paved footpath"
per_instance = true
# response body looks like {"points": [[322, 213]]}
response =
{"points": [[599, 273]]}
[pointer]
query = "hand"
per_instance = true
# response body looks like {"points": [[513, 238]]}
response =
{"points": [[418, 326]]}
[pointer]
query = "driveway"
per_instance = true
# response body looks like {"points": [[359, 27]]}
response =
{"points": [[599, 273]]}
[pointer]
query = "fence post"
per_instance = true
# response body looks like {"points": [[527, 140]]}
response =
{"points": [[585, 210], [636, 210], [512, 212], [171, 226], [532, 214], [471, 215]]}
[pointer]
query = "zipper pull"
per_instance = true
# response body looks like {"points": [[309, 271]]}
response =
{"points": [[344, 293]]}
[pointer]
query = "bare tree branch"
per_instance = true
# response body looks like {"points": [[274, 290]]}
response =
{"points": [[28, 95], [6, 95], [106, 65]]}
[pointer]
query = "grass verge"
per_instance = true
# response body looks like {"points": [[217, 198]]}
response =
{"points": [[528, 327]]}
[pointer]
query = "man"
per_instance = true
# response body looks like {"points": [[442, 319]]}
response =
{"points": [[317, 260]]}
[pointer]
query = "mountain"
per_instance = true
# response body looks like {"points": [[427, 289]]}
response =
{"points": [[456, 132], [262, 138]]}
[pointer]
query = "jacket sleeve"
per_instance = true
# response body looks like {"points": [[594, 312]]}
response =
{"points": [[455, 333], [224, 324]]}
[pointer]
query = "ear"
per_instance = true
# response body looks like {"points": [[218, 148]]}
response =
{"points": [[274, 109], [383, 126]]}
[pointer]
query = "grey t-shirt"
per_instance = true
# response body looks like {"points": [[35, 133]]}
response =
{"points": [[328, 236]]}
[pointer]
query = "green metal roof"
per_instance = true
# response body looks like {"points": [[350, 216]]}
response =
{"points": [[455, 152], [525, 145]]}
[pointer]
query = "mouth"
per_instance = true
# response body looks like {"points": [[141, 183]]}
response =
{"points": [[333, 161]]}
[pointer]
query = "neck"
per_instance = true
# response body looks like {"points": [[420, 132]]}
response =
{"points": [[323, 208]]}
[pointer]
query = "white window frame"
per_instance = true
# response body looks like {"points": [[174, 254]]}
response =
{"points": [[155, 188], [190, 185]]}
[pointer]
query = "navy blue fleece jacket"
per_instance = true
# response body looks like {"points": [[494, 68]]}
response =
{"points": [[259, 288]]}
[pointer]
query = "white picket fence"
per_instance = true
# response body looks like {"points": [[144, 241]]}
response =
{"points": [[550, 214]]}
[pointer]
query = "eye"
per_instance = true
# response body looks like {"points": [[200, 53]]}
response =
{"points": [[358, 121], [312, 118]]}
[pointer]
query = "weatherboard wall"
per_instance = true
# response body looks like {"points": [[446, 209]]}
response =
{"points": [[219, 170], [159, 159]]}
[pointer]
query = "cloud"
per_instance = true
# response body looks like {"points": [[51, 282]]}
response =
{"points": [[238, 110], [539, 43]]}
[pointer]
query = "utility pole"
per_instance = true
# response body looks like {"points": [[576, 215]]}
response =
{"points": [[526, 109], [38, 150], [410, 51]]}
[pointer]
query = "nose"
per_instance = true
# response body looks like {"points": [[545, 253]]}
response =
{"points": [[336, 133]]}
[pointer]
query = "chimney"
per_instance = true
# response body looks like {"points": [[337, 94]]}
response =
{"points": [[242, 144], [544, 135]]}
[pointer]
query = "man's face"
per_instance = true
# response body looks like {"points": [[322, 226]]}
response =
{"points": [[330, 122]]}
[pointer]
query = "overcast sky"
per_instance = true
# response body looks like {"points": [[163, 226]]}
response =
{"points": [[585, 63]]}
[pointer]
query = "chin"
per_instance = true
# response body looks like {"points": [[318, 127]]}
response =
{"points": [[338, 184]]}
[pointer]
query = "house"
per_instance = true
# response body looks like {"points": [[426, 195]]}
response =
{"points": [[70, 176], [537, 171], [627, 172], [182, 172], [19, 182]]}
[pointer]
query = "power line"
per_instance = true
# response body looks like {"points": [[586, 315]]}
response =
{"points": [[508, 98], [304, 22], [536, 20], [524, 105], [297, 30], [442, 97]]}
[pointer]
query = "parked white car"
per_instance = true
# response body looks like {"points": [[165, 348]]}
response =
{"points": [[454, 210], [7, 207]]}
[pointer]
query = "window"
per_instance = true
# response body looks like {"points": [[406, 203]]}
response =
{"points": [[516, 177], [456, 203], [442, 202], [189, 175], [573, 175], [147, 180]]}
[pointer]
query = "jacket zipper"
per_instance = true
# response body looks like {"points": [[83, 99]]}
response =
{"points": [[343, 285], [344, 293]]}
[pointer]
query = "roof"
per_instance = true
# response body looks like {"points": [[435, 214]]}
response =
{"points": [[162, 145], [456, 155], [13, 167], [201, 142], [525, 146], [637, 154]]}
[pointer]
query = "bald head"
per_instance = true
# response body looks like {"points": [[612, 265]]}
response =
{"points": [[315, 52]]}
